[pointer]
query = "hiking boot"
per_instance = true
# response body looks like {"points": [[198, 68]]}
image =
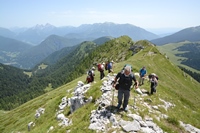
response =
{"points": [[118, 106], [126, 109]]}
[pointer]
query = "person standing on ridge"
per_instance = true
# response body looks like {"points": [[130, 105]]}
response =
{"points": [[154, 82], [124, 79], [143, 73]]}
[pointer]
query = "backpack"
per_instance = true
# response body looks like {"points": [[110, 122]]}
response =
{"points": [[126, 81], [150, 76], [157, 77], [109, 66], [100, 67], [89, 79], [90, 73]]}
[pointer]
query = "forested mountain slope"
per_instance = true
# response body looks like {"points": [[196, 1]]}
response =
{"points": [[184, 54], [13, 84]]}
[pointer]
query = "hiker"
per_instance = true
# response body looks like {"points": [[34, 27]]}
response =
{"points": [[154, 82], [124, 79], [101, 68], [143, 73], [110, 66], [106, 65], [90, 77]]}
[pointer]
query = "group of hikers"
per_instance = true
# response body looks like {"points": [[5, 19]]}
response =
{"points": [[101, 68], [123, 81]]}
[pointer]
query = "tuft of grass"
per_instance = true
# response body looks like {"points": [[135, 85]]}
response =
{"points": [[172, 120]]}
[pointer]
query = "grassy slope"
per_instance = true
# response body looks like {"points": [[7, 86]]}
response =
{"points": [[173, 87], [168, 49]]}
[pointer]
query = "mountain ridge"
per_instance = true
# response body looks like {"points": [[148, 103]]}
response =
{"points": [[174, 87], [188, 34], [36, 34]]}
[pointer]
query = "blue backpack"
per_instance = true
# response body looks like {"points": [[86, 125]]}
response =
{"points": [[109, 65]]}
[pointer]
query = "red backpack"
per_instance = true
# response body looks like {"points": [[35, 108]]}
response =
{"points": [[100, 67]]}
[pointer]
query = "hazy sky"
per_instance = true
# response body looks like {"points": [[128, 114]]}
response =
{"points": [[148, 14]]}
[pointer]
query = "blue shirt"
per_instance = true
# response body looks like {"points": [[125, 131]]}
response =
{"points": [[143, 72]]}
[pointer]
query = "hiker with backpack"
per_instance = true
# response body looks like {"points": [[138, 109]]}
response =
{"points": [[110, 66], [143, 73], [106, 65], [101, 67], [124, 80], [154, 82], [90, 75]]}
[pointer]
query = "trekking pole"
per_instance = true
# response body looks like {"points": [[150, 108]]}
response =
{"points": [[134, 104], [112, 89], [134, 99]]}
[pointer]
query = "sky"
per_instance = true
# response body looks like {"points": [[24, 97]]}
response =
{"points": [[147, 14]]}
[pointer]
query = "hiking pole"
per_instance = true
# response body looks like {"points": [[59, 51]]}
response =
{"points": [[134, 102], [112, 89], [134, 97]]}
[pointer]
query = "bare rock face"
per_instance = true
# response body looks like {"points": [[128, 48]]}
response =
{"points": [[75, 102]]}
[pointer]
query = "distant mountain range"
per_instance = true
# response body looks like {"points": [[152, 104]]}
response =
{"points": [[191, 34], [111, 29], [53, 39], [35, 35]]}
